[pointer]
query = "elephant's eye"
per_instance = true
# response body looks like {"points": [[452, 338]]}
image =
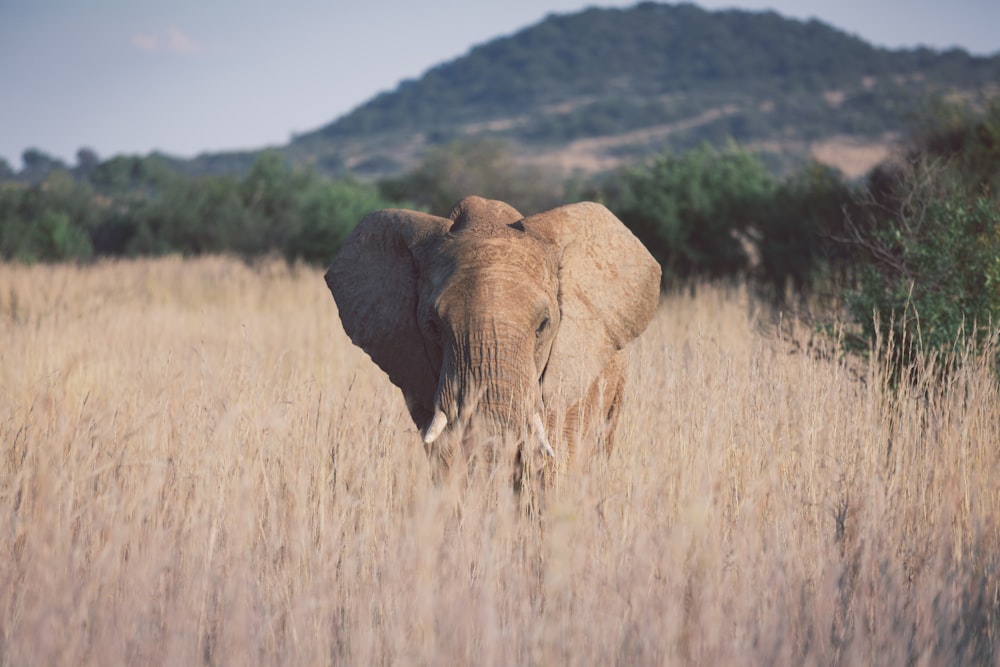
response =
{"points": [[542, 326]]}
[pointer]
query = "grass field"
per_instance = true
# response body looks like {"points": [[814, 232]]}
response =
{"points": [[198, 468]]}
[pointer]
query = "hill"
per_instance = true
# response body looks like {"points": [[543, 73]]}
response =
{"points": [[591, 90], [602, 88]]}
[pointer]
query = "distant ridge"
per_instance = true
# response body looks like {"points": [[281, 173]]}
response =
{"points": [[605, 87]]}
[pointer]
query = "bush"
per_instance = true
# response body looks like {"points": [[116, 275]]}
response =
{"points": [[51, 237], [798, 233], [48, 221], [693, 210], [327, 213], [928, 234], [931, 278]]}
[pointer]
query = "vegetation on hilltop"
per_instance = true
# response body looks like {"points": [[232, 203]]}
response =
{"points": [[606, 72], [639, 54]]}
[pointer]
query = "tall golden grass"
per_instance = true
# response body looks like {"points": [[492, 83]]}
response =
{"points": [[197, 467]]}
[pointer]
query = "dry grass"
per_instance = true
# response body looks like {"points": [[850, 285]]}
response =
{"points": [[198, 468]]}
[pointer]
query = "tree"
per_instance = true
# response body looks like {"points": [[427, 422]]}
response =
{"points": [[38, 165], [130, 174], [86, 161], [270, 198], [693, 210], [327, 214]]}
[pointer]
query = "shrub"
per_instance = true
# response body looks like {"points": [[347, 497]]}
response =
{"points": [[691, 210], [928, 233], [931, 277], [48, 221], [798, 233], [327, 214]]}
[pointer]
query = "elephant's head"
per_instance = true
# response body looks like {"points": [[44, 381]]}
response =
{"points": [[491, 313]]}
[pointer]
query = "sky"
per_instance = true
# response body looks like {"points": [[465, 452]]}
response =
{"points": [[191, 76]]}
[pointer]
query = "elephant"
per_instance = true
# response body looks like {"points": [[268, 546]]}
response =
{"points": [[519, 321]]}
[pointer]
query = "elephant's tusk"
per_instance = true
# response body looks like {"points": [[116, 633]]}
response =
{"points": [[436, 427], [543, 441]]}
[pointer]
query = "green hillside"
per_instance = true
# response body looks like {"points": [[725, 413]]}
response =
{"points": [[601, 87]]}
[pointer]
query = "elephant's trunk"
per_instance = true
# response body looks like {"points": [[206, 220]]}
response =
{"points": [[488, 376]]}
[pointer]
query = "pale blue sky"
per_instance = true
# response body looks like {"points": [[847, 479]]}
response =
{"points": [[186, 76]]}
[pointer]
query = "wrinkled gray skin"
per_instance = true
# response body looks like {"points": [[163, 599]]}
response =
{"points": [[519, 321]]}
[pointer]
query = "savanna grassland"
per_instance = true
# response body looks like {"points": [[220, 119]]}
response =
{"points": [[197, 467]]}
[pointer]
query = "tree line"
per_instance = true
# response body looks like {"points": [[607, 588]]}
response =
{"points": [[916, 243], [131, 206]]}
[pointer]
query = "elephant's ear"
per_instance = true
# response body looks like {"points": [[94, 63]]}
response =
{"points": [[374, 281], [609, 287]]}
